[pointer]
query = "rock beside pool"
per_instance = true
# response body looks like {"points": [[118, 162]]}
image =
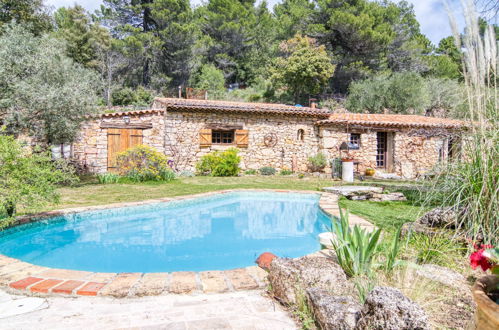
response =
{"points": [[333, 312], [387, 308], [264, 260], [290, 278]]}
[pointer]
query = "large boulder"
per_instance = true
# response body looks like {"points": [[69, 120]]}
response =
{"points": [[333, 312], [388, 309], [440, 217], [290, 278]]}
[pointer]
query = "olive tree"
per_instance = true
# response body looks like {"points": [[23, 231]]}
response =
{"points": [[43, 92]]}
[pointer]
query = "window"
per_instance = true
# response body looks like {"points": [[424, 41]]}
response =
{"points": [[300, 135], [222, 137], [354, 142]]}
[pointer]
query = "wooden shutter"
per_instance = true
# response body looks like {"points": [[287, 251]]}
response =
{"points": [[205, 137], [135, 137], [113, 147], [242, 138]]}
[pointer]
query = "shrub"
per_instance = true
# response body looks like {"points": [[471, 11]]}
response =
{"points": [[106, 178], [219, 163], [28, 179], [187, 174], [301, 175], [354, 247], [143, 163], [128, 96], [286, 172], [267, 170], [250, 172], [317, 162]]}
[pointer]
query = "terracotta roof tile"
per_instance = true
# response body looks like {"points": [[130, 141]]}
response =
{"points": [[229, 106], [384, 120], [131, 113]]}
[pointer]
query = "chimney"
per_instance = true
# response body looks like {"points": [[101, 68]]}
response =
{"points": [[312, 103]]}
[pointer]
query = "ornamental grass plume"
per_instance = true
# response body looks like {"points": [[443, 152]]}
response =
{"points": [[470, 183]]}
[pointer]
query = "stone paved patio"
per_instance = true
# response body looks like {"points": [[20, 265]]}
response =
{"points": [[236, 310]]}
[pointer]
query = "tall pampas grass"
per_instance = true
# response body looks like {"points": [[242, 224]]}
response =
{"points": [[471, 184]]}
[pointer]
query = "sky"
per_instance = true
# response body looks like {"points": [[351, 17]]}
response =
{"points": [[431, 14]]}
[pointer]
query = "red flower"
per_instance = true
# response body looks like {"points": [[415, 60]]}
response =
{"points": [[478, 259]]}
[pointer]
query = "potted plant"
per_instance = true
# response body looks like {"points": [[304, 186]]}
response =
{"points": [[486, 288], [369, 171]]}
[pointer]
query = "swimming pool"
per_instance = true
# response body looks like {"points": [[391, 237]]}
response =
{"points": [[217, 232]]}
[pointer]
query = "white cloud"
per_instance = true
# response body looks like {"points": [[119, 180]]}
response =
{"points": [[431, 14]]}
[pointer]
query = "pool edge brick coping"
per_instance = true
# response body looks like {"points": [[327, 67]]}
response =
{"points": [[73, 283]]}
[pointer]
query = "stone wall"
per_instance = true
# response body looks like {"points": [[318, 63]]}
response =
{"points": [[412, 155], [90, 148], [179, 139], [288, 153]]}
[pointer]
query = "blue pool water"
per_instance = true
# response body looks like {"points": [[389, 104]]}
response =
{"points": [[210, 233]]}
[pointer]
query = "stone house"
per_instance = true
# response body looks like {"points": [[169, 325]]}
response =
{"points": [[276, 135]]}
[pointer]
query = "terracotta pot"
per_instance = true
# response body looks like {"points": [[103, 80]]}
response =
{"points": [[487, 311], [370, 172]]}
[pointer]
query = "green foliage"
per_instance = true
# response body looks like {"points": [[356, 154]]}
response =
{"points": [[128, 96], [391, 254], [303, 310], [237, 37], [187, 174], [304, 69], [446, 95], [251, 172], [354, 247], [33, 14], [211, 79], [401, 93], [27, 179], [267, 170], [219, 163], [364, 285], [363, 35], [301, 175], [83, 37], [442, 66], [439, 249], [143, 163], [42, 91], [317, 162], [285, 172], [107, 178]]}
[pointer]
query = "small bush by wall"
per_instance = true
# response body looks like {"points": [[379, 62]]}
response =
{"points": [[267, 170], [143, 163], [219, 163], [317, 162]]}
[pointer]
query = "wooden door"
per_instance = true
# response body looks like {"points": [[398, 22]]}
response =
{"points": [[118, 140], [381, 149]]}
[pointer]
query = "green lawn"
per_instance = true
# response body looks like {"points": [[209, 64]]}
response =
{"points": [[88, 192], [383, 214]]}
